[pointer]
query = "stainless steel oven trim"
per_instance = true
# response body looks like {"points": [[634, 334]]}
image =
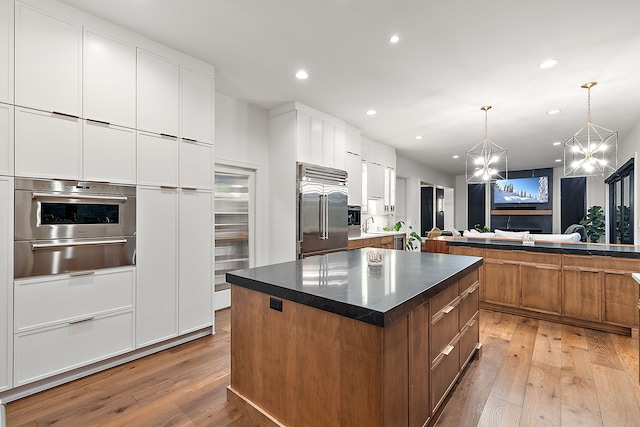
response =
{"points": [[36, 246]]}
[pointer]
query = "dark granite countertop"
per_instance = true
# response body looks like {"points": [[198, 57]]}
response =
{"points": [[621, 251], [344, 284]]}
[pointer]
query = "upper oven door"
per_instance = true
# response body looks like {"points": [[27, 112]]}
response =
{"points": [[46, 211]]}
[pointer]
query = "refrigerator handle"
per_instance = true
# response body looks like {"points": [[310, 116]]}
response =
{"points": [[326, 216], [299, 219], [321, 205]]}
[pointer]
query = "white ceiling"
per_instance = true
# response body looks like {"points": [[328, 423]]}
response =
{"points": [[453, 57]]}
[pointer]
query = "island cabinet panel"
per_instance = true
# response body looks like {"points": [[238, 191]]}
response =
{"points": [[581, 294], [502, 282], [383, 242], [620, 294], [419, 366], [540, 288], [479, 252], [469, 340]]}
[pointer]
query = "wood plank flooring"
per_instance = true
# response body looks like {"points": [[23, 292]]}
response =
{"points": [[532, 373]]}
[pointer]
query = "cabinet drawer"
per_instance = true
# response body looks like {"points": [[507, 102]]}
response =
{"points": [[469, 338], [44, 301], [444, 373], [602, 262], [444, 329], [523, 256], [445, 298], [465, 250], [50, 351], [469, 303]]}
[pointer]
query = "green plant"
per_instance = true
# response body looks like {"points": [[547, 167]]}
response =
{"points": [[411, 240], [594, 223], [398, 225], [479, 229]]}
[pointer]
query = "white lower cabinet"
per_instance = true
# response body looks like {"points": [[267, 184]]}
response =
{"points": [[157, 255], [109, 153], [65, 321], [47, 145], [52, 350], [6, 282], [6, 139], [195, 255]]}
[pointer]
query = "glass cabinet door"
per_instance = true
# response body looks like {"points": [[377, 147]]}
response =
{"points": [[621, 205]]}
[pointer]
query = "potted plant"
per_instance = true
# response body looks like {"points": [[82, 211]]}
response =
{"points": [[594, 223], [412, 237]]}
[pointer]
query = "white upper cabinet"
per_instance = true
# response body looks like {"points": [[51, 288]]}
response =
{"points": [[303, 137], [157, 160], [315, 142], [6, 51], [109, 76], [109, 153], [339, 152], [158, 94], [354, 169], [6, 139], [47, 145], [196, 165], [47, 62], [353, 141], [196, 106]]}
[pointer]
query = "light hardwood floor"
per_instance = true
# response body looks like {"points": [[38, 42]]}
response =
{"points": [[532, 373]]}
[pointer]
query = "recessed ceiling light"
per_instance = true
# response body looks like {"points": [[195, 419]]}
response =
{"points": [[552, 112], [371, 112], [394, 38], [557, 143], [558, 160], [456, 157], [419, 137], [302, 75], [548, 63]]}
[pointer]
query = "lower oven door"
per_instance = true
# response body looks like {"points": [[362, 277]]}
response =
{"points": [[45, 257]]}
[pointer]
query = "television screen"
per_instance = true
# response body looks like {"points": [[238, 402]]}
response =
{"points": [[521, 190]]}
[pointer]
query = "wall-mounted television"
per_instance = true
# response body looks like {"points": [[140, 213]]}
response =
{"points": [[521, 190]]}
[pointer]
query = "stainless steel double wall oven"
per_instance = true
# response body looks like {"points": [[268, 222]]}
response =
{"points": [[72, 227]]}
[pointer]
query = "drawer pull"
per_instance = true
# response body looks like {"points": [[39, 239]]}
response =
{"points": [[98, 122], [168, 187], [447, 309], [82, 273], [166, 135], [511, 263], [190, 188], [472, 289], [619, 273], [36, 246], [73, 322], [472, 322], [70, 116], [447, 350], [638, 305]]}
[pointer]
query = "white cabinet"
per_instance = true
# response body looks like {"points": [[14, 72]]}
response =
{"points": [[375, 181], [319, 141], [340, 145], [156, 265], [389, 190], [353, 141], [315, 141], [6, 282], [109, 80], [47, 145], [354, 170], [157, 94], [47, 62], [109, 153], [195, 265], [157, 159], [196, 165], [6, 139], [65, 321], [302, 136], [6, 51], [328, 145], [196, 106]]}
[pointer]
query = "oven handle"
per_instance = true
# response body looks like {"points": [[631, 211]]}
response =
{"points": [[78, 196], [36, 246]]}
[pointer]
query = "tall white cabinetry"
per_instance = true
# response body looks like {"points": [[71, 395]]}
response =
{"points": [[158, 94], [6, 51], [353, 164], [381, 166], [6, 139], [6, 282]]}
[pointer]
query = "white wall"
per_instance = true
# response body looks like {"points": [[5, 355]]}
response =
{"points": [[242, 140], [416, 174]]}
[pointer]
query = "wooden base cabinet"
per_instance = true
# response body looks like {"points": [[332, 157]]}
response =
{"points": [[503, 282], [540, 288]]}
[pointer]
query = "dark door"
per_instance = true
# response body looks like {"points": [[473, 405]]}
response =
{"points": [[439, 208], [426, 210], [573, 201], [476, 199]]}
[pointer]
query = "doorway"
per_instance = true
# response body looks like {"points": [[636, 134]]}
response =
{"points": [[621, 205]]}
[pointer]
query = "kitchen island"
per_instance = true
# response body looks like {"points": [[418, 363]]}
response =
{"points": [[330, 340]]}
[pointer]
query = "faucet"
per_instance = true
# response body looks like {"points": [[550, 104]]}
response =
{"points": [[366, 224]]}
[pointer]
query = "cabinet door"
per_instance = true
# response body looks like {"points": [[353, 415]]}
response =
{"points": [[157, 160], [6, 281], [581, 294], [340, 150], [540, 288], [328, 145], [315, 145], [47, 58], [109, 153], [196, 165], [502, 284], [157, 292], [303, 137], [620, 296], [375, 180], [47, 145], [6, 51], [354, 170], [6, 139], [109, 80], [196, 106], [196, 260], [158, 94]]}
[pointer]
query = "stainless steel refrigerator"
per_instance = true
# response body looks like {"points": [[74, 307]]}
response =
{"points": [[322, 210]]}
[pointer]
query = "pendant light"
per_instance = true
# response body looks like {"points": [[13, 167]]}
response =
{"points": [[593, 150], [486, 161]]}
